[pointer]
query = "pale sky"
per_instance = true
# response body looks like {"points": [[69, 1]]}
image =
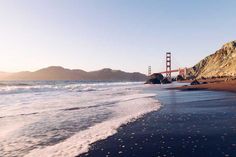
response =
{"points": [[120, 34]]}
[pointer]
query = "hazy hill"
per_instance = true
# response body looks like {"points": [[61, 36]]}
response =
{"points": [[221, 63], [4, 74], [60, 73]]}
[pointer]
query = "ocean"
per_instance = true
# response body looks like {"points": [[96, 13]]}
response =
{"points": [[62, 118]]}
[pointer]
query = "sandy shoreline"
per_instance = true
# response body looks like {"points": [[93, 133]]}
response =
{"points": [[214, 85], [196, 123]]}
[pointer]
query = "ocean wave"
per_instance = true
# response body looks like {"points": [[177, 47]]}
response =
{"points": [[67, 122], [18, 88], [14, 84], [126, 111]]}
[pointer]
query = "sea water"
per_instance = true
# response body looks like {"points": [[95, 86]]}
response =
{"points": [[62, 118]]}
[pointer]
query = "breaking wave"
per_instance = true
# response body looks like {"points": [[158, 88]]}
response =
{"points": [[63, 119]]}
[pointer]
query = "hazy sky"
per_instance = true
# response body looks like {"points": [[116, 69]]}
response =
{"points": [[119, 34]]}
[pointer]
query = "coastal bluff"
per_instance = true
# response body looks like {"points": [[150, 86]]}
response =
{"points": [[219, 64]]}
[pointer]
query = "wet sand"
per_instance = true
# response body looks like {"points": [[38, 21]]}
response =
{"points": [[215, 85], [190, 124]]}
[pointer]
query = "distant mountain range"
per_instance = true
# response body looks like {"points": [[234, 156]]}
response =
{"points": [[60, 73]]}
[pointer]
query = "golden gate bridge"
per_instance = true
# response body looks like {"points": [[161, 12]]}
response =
{"points": [[181, 71]]}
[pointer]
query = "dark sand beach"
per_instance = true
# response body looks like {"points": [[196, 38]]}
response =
{"points": [[212, 84], [189, 124]]}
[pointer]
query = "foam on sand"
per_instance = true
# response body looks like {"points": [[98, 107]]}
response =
{"points": [[63, 119], [127, 110]]}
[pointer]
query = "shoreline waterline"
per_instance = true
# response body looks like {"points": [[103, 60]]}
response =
{"points": [[190, 123], [63, 120]]}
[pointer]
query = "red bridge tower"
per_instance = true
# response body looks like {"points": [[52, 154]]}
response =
{"points": [[168, 65]]}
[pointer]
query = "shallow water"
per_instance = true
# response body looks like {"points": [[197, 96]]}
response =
{"points": [[189, 123], [61, 118]]}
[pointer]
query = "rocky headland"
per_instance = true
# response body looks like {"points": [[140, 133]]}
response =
{"points": [[215, 72], [220, 64]]}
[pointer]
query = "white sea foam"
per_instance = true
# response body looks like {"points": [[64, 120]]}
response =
{"points": [[65, 121], [79, 143], [13, 88]]}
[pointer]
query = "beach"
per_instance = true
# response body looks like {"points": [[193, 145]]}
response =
{"points": [[197, 123], [212, 84], [62, 118], [109, 119], [117, 78]]}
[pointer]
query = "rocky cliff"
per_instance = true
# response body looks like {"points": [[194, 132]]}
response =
{"points": [[221, 63]]}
